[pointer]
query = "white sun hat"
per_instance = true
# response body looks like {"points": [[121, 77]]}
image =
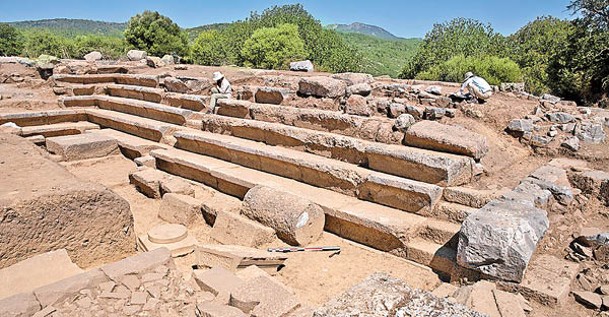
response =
{"points": [[218, 76]]}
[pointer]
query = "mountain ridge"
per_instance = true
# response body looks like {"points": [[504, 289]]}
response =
{"points": [[363, 28]]}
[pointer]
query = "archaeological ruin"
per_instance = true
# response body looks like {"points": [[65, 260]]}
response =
{"points": [[122, 193]]}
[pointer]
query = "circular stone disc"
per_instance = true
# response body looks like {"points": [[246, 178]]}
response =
{"points": [[166, 234]]}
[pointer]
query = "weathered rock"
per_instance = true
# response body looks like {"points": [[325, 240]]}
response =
{"points": [[499, 239], [154, 62], [354, 78], [571, 143], [168, 60], [176, 185], [270, 95], [362, 89], [181, 209], [187, 85], [560, 117], [396, 109], [297, 221], [590, 182], [520, 126], [591, 133], [21, 305], [231, 228], [93, 56], [322, 87], [82, 146], [415, 111], [433, 113], [588, 299], [453, 139], [539, 140], [403, 122], [357, 105], [382, 295], [550, 98], [303, 66], [434, 90], [261, 296], [43, 205], [46, 61], [135, 55]]}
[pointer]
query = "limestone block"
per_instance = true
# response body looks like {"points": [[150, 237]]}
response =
{"points": [[82, 146]]}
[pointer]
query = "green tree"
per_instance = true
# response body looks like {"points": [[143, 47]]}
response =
{"points": [[156, 34], [209, 49], [580, 71], [10, 40], [273, 48], [111, 47], [534, 47], [40, 42], [456, 37]]}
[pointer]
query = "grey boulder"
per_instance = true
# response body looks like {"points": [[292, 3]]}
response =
{"points": [[302, 66], [499, 239]]}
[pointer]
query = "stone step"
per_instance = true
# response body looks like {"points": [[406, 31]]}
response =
{"points": [[58, 129], [452, 212], [371, 224], [442, 259], [136, 92], [123, 79], [145, 109], [131, 146], [397, 192], [440, 232], [139, 108], [25, 119], [366, 128], [156, 95], [417, 164], [146, 128]]}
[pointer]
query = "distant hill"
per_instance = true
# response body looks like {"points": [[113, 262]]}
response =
{"points": [[381, 56], [74, 27], [362, 28], [194, 32]]}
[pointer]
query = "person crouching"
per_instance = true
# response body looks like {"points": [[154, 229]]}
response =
{"points": [[223, 90]]}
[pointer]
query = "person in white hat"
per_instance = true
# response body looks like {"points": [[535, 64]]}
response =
{"points": [[223, 90], [477, 87]]}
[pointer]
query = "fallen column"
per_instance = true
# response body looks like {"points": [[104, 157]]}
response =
{"points": [[297, 221]]}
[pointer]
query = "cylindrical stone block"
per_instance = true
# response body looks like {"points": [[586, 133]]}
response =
{"points": [[297, 221]]}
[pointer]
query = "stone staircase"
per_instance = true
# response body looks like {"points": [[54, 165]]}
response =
{"points": [[373, 190]]}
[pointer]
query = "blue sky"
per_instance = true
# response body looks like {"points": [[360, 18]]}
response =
{"points": [[403, 18]]}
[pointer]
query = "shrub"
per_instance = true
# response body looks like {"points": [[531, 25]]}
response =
{"points": [[11, 42], [209, 49], [273, 48], [40, 42], [459, 36], [494, 69], [156, 34]]}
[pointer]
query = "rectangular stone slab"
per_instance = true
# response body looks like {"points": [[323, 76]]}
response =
{"points": [[36, 271], [82, 146], [136, 92], [25, 119], [142, 127], [144, 109], [452, 139], [59, 129]]}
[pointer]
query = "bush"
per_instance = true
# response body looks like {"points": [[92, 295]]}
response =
{"points": [[494, 69], [459, 36], [156, 34], [11, 42], [209, 49], [40, 42], [110, 47], [273, 48]]}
